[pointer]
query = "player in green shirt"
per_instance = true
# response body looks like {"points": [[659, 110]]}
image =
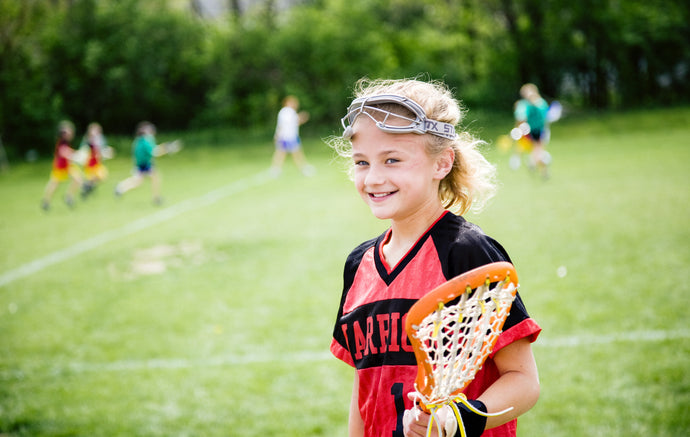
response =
{"points": [[143, 149]]}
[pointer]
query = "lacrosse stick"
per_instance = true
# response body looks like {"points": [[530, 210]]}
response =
{"points": [[555, 111], [169, 148], [453, 329]]}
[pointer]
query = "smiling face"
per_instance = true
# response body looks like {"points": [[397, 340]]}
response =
{"points": [[395, 175]]}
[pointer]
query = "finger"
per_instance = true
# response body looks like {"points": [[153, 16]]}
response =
{"points": [[411, 423], [413, 396]]}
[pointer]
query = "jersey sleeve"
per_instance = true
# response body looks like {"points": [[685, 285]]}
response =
{"points": [[472, 248], [526, 328], [520, 112], [339, 346]]}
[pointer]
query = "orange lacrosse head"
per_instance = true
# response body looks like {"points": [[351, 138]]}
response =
{"points": [[454, 328]]}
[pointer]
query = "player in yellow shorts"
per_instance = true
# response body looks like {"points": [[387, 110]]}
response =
{"points": [[96, 150], [63, 169]]}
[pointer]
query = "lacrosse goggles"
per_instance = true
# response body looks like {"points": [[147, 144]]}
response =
{"points": [[420, 124]]}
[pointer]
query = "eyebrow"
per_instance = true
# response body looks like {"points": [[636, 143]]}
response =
{"points": [[383, 153]]}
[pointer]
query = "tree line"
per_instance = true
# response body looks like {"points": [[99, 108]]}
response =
{"points": [[122, 61]]}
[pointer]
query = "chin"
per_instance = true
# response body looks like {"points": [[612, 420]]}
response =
{"points": [[380, 214]]}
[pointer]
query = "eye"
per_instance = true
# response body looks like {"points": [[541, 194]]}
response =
{"points": [[361, 163], [392, 161]]}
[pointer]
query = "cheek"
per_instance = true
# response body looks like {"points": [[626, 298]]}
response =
{"points": [[358, 179]]}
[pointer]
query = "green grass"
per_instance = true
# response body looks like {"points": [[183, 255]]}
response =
{"points": [[232, 337]]}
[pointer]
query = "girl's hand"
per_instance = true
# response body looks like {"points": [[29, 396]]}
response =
{"points": [[416, 422]]}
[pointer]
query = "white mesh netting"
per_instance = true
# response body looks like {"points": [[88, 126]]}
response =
{"points": [[458, 337]]}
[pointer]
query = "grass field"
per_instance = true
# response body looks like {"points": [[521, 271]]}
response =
{"points": [[212, 315]]}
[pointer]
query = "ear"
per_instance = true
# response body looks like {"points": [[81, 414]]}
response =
{"points": [[444, 163]]}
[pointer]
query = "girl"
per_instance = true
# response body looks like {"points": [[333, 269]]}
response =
{"points": [[97, 149], [411, 168], [63, 169]]}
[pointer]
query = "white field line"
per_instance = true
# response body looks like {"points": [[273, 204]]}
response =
{"points": [[143, 223], [324, 355], [609, 338], [183, 363]]}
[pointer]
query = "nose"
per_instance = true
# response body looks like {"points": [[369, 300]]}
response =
{"points": [[375, 175]]}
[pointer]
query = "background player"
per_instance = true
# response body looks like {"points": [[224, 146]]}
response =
{"points": [[287, 139], [411, 168], [143, 149], [95, 150], [531, 118], [63, 169]]}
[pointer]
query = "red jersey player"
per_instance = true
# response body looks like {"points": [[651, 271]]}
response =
{"points": [[63, 169], [411, 168]]}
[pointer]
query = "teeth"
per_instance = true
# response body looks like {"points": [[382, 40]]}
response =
{"points": [[379, 194]]}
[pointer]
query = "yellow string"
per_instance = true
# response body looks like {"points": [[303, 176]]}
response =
{"points": [[437, 322]]}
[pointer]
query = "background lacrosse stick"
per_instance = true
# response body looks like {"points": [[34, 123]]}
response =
{"points": [[168, 148], [454, 328]]}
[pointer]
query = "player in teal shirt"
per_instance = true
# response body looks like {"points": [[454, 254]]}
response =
{"points": [[143, 149], [532, 110]]}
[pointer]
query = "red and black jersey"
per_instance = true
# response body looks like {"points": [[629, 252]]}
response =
{"points": [[94, 155], [369, 332], [62, 150]]}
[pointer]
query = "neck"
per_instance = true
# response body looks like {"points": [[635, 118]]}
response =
{"points": [[405, 233]]}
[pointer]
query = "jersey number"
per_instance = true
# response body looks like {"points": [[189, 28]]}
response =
{"points": [[397, 392]]}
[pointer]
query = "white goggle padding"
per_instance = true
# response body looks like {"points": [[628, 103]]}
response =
{"points": [[420, 124]]}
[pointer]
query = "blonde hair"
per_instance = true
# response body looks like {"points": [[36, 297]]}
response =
{"points": [[94, 126], [144, 127], [65, 126], [530, 92], [471, 181], [290, 100]]}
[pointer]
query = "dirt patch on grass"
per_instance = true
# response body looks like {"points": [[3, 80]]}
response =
{"points": [[159, 259]]}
